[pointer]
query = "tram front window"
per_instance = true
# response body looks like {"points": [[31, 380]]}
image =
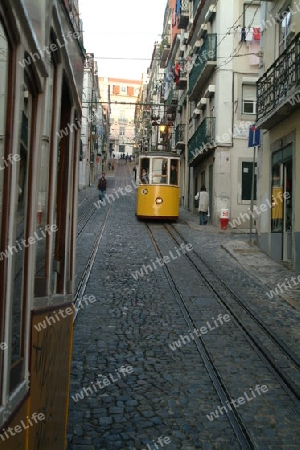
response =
{"points": [[174, 172], [159, 170], [144, 171]]}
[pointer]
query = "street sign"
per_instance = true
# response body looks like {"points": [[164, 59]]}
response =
{"points": [[254, 136]]}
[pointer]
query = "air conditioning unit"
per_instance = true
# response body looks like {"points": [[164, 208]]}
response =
{"points": [[196, 112], [203, 30], [210, 91], [202, 103], [210, 13]]}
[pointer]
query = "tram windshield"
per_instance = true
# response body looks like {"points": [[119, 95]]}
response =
{"points": [[159, 170]]}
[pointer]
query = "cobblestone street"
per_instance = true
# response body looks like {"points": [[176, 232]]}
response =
{"points": [[140, 378]]}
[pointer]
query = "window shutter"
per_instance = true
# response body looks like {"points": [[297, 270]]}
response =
{"points": [[130, 90], [249, 92], [251, 15], [116, 89]]}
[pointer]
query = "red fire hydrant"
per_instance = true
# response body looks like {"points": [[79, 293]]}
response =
{"points": [[224, 218]]}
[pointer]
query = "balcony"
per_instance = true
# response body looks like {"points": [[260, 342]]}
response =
{"points": [[172, 97], [181, 83], [164, 55], [203, 66], [179, 136], [278, 90], [183, 17], [181, 77], [202, 140]]}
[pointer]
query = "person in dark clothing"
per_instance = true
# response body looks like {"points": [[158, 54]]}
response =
{"points": [[173, 174], [102, 184]]}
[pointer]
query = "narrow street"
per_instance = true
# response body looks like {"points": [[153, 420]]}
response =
{"points": [[177, 343]]}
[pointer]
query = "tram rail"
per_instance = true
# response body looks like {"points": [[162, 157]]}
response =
{"points": [[275, 353], [89, 265], [270, 346], [234, 418]]}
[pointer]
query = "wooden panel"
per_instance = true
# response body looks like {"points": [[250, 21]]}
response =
{"points": [[18, 441], [50, 376]]}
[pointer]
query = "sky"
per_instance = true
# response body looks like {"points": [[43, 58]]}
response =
{"points": [[117, 30]]}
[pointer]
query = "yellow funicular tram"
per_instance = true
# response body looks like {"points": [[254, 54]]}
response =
{"points": [[158, 194]]}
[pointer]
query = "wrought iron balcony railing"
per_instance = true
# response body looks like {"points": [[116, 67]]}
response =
{"points": [[179, 136], [172, 97], [204, 64], [203, 139], [277, 87]]}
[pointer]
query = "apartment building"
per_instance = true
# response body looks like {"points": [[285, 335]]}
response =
{"points": [[223, 43], [278, 116], [122, 95], [209, 90], [93, 135]]}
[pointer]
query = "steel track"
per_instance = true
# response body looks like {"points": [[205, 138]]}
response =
{"points": [[236, 422], [89, 265], [279, 348]]}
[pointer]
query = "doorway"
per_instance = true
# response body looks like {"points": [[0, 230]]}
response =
{"points": [[287, 211]]}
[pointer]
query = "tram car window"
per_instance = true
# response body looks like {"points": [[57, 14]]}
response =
{"points": [[159, 170], [174, 172], [144, 171]]}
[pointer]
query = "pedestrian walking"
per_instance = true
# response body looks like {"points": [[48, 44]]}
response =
{"points": [[102, 185], [203, 205]]}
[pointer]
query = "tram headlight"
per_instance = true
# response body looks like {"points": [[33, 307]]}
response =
{"points": [[159, 200]]}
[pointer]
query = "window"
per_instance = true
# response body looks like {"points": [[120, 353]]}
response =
{"points": [[249, 99], [124, 89], [247, 171], [174, 172], [252, 14], [122, 131], [144, 171], [159, 170], [116, 89], [130, 90], [285, 31]]}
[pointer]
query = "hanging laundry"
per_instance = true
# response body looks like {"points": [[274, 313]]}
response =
{"points": [[249, 34], [243, 35], [256, 34], [177, 73]]}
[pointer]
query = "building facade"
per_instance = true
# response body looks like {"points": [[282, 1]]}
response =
{"points": [[278, 116], [122, 95], [41, 67], [209, 93], [93, 126]]}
